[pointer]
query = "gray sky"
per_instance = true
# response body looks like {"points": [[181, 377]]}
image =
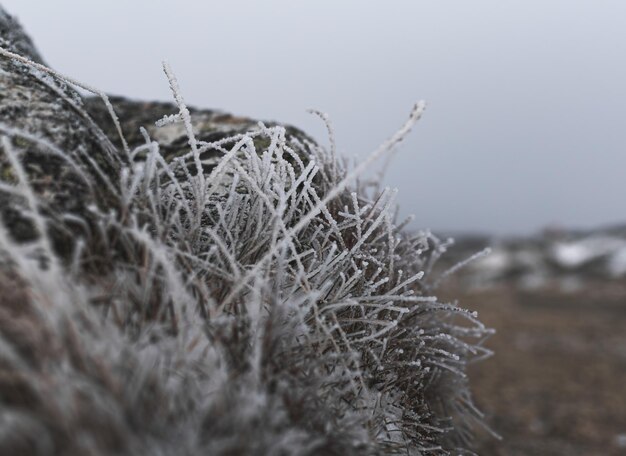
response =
{"points": [[526, 124]]}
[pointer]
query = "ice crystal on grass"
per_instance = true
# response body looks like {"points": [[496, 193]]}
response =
{"points": [[263, 303]]}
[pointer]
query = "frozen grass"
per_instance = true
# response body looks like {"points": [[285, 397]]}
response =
{"points": [[269, 304]]}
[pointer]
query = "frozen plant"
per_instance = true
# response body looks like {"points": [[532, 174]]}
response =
{"points": [[267, 302]]}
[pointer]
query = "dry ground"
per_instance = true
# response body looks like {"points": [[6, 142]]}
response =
{"points": [[557, 383]]}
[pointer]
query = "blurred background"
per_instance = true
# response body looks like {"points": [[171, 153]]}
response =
{"points": [[523, 148]]}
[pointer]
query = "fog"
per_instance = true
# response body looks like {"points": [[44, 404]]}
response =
{"points": [[525, 126]]}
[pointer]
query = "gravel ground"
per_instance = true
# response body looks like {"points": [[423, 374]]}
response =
{"points": [[557, 383]]}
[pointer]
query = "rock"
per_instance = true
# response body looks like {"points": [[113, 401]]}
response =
{"points": [[13, 36], [68, 161], [209, 126], [71, 152]]}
